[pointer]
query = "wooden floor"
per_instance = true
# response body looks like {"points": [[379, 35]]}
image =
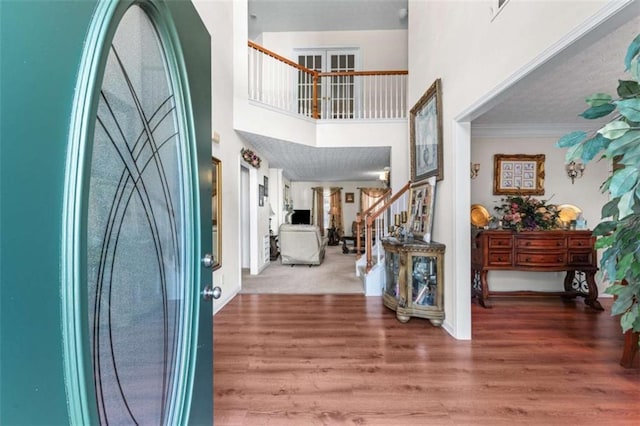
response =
{"points": [[346, 360]]}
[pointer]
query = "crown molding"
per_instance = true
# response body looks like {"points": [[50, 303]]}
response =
{"points": [[530, 130]]}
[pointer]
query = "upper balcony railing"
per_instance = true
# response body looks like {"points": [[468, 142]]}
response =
{"points": [[347, 95]]}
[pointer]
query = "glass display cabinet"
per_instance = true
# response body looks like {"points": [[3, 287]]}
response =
{"points": [[414, 284]]}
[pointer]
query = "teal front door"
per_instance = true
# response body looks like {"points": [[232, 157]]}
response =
{"points": [[106, 118]]}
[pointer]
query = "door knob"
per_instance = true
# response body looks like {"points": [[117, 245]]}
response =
{"points": [[211, 293], [208, 260]]}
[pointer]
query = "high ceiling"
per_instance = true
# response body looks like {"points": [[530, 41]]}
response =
{"points": [[550, 97], [325, 15]]}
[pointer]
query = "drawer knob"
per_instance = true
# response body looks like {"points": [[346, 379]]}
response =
{"points": [[528, 259], [528, 243]]}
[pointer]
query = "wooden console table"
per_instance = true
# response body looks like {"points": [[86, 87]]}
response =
{"points": [[544, 251]]}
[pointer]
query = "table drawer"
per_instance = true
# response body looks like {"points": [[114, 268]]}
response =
{"points": [[541, 259], [500, 242], [540, 243], [500, 258], [580, 242], [581, 258]]}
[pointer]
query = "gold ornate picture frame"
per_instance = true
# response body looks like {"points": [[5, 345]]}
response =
{"points": [[518, 174], [425, 137], [216, 211]]}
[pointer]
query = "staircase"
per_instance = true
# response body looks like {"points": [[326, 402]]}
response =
{"points": [[390, 209]]}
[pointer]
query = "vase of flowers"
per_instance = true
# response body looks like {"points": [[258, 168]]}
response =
{"points": [[527, 213], [250, 157]]}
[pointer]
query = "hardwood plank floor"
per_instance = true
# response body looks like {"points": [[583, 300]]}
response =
{"points": [[346, 360]]}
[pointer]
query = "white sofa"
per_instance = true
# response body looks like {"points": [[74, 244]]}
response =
{"points": [[301, 244]]}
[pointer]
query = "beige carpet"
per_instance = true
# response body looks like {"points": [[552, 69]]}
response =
{"points": [[336, 275]]}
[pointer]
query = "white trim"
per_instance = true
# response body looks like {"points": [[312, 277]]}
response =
{"points": [[459, 326], [542, 130]]}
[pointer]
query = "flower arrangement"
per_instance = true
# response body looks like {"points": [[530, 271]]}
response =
{"points": [[527, 213], [250, 157]]}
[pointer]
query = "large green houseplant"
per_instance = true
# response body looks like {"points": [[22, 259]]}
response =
{"points": [[619, 141]]}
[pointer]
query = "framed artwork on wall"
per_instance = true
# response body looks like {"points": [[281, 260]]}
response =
{"points": [[216, 212], [518, 174], [261, 195], [425, 137], [421, 207], [266, 186], [349, 197]]}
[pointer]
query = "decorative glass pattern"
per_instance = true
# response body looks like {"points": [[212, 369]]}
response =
{"points": [[136, 233]]}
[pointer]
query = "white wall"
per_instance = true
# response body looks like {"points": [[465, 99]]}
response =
{"points": [[379, 50], [584, 193], [457, 42], [227, 20]]}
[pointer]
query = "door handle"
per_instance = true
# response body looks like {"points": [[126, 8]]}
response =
{"points": [[211, 293], [208, 260]]}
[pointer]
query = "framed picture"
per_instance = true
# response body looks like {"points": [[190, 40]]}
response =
{"points": [[518, 174], [349, 197], [421, 206], [425, 137], [266, 186], [216, 212], [261, 195]]}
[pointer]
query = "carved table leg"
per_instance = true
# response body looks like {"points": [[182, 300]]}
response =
{"points": [[591, 299], [483, 296]]}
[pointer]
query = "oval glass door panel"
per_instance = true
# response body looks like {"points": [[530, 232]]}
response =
{"points": [[136, 231]]}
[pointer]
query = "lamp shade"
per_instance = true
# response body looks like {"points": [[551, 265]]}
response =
{"points": [[271, 212]]}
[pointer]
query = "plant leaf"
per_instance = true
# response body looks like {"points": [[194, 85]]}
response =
{"points": [[598, 99], [618, 146], [574, 152], [622, 181], [603, 228], [625, 206], [603, 242], [571, 139], [614, 289], [627, 319], [628, 88], [598, 111], [593, 146], [610, 209], [623, 265], [632, 51], [615, 129], [629, 108]]}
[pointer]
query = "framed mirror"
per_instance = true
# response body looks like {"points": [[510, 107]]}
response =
{"points": [[216, 212]]}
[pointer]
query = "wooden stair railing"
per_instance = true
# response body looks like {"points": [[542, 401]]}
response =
{"points": [[365, 214], [388, 107], [370, 217]]}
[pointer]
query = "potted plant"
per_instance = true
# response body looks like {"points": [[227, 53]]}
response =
{"points": [[617, 141]]}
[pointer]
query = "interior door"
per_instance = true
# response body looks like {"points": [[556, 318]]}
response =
{"points": [[110, 111], [336, 94]]}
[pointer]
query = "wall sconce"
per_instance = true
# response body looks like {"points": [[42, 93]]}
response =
{"points": [[475, 168], [385, 177], [575, 170]]}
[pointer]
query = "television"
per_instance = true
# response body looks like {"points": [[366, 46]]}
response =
{"points": [[301, 217]]}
